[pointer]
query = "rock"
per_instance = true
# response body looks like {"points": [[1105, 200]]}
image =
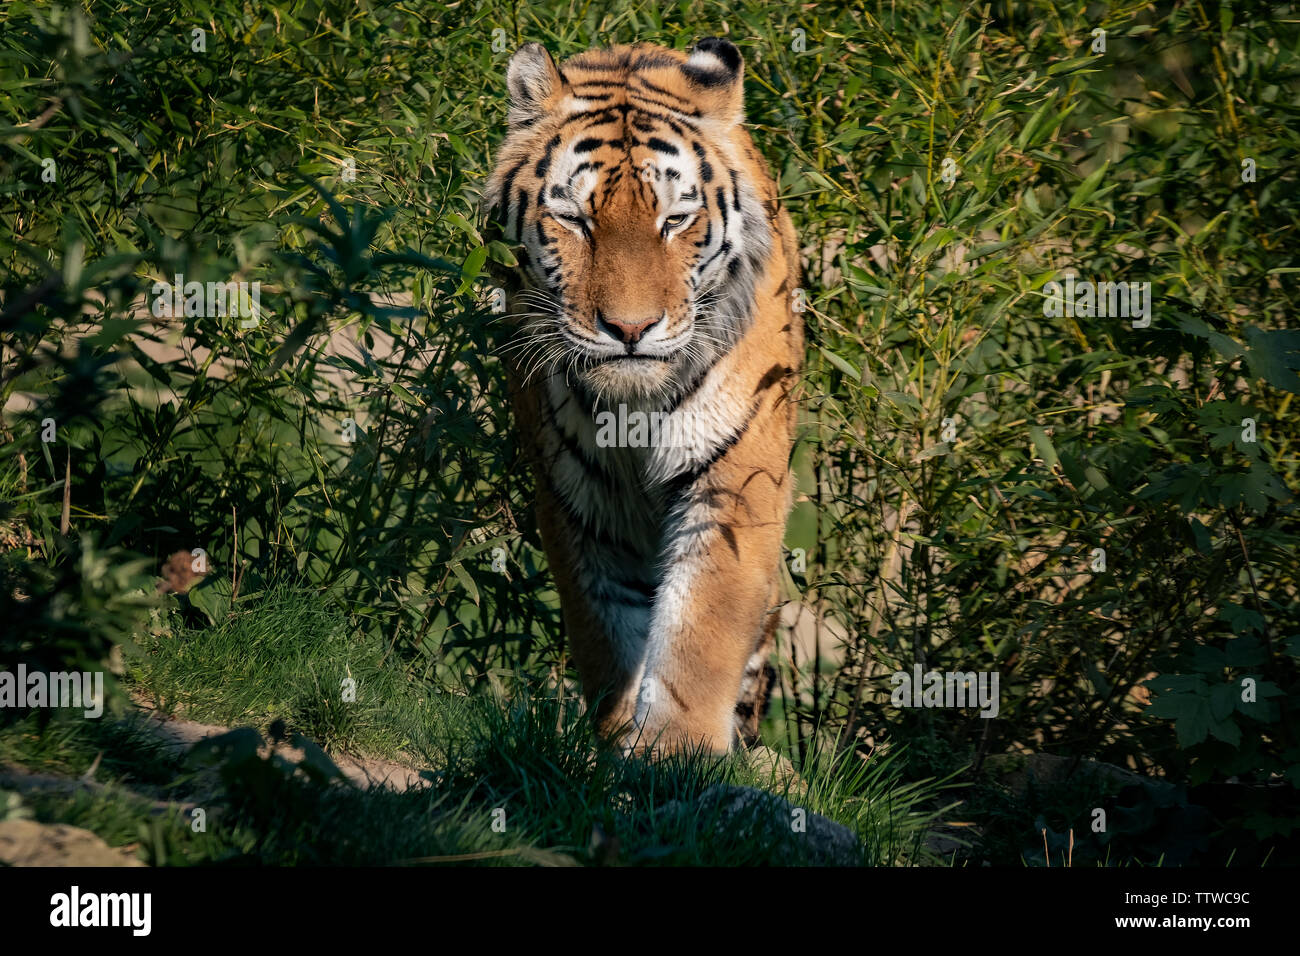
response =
{"points": [[181, 735], [800, 837], [28, 843], [1015, 771]]}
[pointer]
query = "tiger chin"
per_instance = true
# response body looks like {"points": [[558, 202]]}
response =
{"points": [[657, 277]]}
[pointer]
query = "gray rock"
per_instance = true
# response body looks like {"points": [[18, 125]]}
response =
{"points": [[798, 836]]}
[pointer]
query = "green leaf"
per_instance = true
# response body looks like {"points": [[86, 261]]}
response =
{"points": [[1043, 444], [1074, 64], [405, 394], [1194, 726], [934, 451], [1245, 652], [1088, 186], [471, 269], [1027, 131], [1223, 700], [1095, 477], [466, 581], [1242, 620], [1258, 485], [1073, 470], [1225, 730], [1274, 356], [212, 597], [848, 368], [463, 224]]}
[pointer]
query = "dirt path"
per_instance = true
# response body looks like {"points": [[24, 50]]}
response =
{"points": [[181, 735]]}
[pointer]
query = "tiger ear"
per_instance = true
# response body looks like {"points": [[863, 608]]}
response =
{"points": [[716, 71], [534, 82]]}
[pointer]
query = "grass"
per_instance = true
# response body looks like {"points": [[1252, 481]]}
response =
{"points": [[286, 656], [519, 782]]}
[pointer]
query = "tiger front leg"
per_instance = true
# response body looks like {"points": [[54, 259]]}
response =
{"points": [[710, 613]]}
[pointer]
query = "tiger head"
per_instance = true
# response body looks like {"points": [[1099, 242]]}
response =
{"points": [[625, 183]]}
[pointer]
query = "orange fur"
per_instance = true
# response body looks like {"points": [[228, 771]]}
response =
{"points": [[657, 275]]}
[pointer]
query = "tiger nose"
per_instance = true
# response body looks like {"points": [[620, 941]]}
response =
{"points": [[625, 330]]}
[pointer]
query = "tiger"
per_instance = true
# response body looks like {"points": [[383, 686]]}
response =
{"points": [[657, 275]]}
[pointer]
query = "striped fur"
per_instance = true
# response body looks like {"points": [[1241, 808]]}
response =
{"points": [[657, 270]]}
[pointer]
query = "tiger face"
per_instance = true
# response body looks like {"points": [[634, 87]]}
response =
{"points": [[639, 238]]}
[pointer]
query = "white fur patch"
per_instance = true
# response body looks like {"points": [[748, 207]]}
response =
{"points": [[710, 418], [707, 61]]}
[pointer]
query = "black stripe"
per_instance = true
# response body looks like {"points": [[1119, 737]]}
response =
{"points": [[623, 62], [722, 250], [707, 78], [629, 598], [620, 599], [681, 117], [692, 387], [706, 168], [735, 190], [708, 234], [659, 146], [597, 117], [673, 123], [598, 536], [579, 454], [682, 482], [623, 109], [656, 88], [651, 61], [574, 447], [523, 206], [612, 67], [544, 163], [507, 185], [584, 397], [647, 588]]}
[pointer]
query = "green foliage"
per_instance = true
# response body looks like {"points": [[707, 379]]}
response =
{"points": [[927, 282], [520, 783], [70, 616], [288, 656]]}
